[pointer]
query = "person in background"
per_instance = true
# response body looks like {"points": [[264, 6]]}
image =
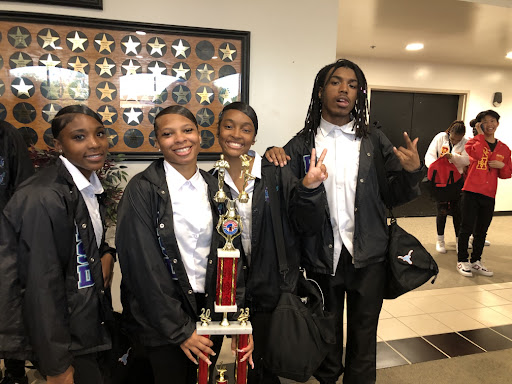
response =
{"points": [[489, 160], [167, 246], [450, 144], [15, 167], [346, 254]]}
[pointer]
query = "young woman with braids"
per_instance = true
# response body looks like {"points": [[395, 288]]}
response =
{"points": [[346, 253], [450, 144]]}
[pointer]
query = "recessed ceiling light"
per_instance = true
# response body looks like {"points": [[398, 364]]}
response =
{"points": [[414, 46], [509, 55], [140, 33]]}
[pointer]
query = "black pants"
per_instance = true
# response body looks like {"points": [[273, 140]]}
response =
{"points": [[15, 368], [477, 212], [260, 375], [445, 208], [364, 290], [90, 368]]}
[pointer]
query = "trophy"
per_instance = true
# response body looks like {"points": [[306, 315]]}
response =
{"points": [[229, 227]]}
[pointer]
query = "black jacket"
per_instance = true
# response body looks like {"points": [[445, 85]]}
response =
{"points": [[157, 297], [15, 167], [310, 208], [263, 280], [65, 307]]}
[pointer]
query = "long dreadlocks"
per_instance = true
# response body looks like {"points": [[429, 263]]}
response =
{"points": [[360, 110]]}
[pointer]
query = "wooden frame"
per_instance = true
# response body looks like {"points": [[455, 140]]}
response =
{"points": [[124, 71], [89, 4]]}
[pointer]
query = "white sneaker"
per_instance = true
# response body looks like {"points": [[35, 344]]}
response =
{"points": [[487, 243], [464, 268], [480, 269], [440, 247]]}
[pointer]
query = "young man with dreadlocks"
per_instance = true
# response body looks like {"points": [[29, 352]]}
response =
{"points": [[346, 256]]}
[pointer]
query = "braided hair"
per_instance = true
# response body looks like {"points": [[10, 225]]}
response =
{"points": [[360, 110]]}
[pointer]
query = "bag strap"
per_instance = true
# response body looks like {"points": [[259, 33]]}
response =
{"points": [[378, 160]]}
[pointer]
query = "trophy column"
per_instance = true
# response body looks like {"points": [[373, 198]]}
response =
{"points": [[229, 227]]}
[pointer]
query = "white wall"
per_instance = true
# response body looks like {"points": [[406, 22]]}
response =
{"points": [[479, 83], [290, 41]]}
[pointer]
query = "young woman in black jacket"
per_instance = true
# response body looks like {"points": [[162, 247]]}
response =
{"points": [[64, 264], [167, 244]]}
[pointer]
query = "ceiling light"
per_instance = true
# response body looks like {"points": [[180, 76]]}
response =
{"points": [[509, 55], [140, 33], [414, 46]]}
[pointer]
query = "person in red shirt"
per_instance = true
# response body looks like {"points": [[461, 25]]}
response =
{"points": [[489, 160]]}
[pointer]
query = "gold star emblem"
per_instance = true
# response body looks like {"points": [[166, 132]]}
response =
{"points": [[110, 138], [227, 52], [20, 61], [180, 49], [106, 92], [132, 115], [77, 41], [50, 113], [131, 69], [78, 65], [157, 69], [205, 73], [104, 44], [156, 47], [225, 96], [24, 115], [48, 39], [105, 67], [131, 46], [19, 39], [107, 114], [181, 72], [2, 86], [205, 96], [181, 95], [79, 91], [204, 117], [51, 90], [158, 98], [49, 62], [22, 88]]}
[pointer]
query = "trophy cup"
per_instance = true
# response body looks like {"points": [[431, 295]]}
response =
{"points": [[229, 227]]}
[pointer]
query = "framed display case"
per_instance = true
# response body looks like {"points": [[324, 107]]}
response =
{"points": [[90, 4], [126, 72]]}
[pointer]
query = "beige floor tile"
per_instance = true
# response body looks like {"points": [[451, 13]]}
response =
{"points": [[460, 301], [425, 325], [423, 293], [431, 304], [401, 307], [488, 316], [489, 299], [492, 287], [457, 321], [385, 314], [505, 293], [504, 310], [393, 329]]}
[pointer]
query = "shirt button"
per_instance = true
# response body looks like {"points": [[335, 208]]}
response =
{"points": [[174, 261], [92, 259], [210, 262], [369, 154], [84, 226], [102, 291], [205, 295], [355, 209], [361, 180], [162, 225], [330, 245], [190, 292], [162, 192]]}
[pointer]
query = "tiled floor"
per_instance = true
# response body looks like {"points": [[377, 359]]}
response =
{"points": [[442, 323]]}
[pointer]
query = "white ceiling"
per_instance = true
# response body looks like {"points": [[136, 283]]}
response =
{"points": [[467, 32]]}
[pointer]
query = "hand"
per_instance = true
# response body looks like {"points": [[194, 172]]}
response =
{"points": [[408, 157], [278, 156], [496, 164], [107, 266], [197, 344], [317, 172], [248, 350], [448, 155], [479, 128], [63, 378]]}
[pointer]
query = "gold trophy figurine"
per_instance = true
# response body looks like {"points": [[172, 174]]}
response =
{"points": [[243, 197], [221, 368], [221, 165]]}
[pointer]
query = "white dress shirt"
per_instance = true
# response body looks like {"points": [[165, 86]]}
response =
{"points": [[342, 163], [89, 189], [193, 222], [245, 209]]}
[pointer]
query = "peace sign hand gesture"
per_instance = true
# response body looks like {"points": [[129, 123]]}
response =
{"points": [[317, 172], [409, 157]]}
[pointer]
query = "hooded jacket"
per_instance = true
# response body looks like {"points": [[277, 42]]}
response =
{"points": [[159, 304], [65, 307]]}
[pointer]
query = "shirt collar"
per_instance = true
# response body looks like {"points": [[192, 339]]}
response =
{"points": [[80, 180], [178, 180], [326, 128]]}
